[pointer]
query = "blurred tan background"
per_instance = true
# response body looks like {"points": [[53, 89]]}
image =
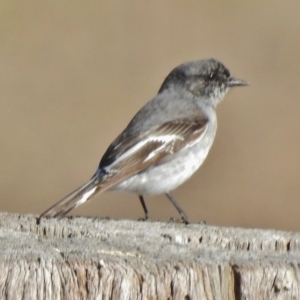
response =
{"points": [[73, 73]]}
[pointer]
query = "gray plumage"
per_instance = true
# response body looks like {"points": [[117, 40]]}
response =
{"points": [[165, 142]]}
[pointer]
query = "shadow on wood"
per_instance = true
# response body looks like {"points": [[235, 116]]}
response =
{"points": [[87, 258]]}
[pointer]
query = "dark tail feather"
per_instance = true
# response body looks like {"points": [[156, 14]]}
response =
{"points": [[78, 197]]}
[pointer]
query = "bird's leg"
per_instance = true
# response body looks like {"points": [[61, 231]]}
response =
{"points": [[179, 209], [144, 206]]}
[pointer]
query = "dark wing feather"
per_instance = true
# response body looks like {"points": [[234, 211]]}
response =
{"points": [[140, 151]]}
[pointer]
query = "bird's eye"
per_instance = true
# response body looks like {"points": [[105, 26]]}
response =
{"points": [[212, 75]]}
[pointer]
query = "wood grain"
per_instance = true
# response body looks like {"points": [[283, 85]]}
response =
{"points": [[87, 258]]}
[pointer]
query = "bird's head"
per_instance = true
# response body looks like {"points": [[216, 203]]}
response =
{"points": [[207, 79]]}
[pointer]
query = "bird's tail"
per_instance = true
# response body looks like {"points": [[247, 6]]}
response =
{"points": [[78, 197]]}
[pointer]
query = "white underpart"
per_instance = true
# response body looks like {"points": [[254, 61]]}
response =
{"points": [[86, 196], [165, 177]]}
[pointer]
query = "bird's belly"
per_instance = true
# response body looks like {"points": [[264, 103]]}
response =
{"points": [[167, 176]]}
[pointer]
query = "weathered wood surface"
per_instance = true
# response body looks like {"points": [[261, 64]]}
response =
{"points": [[86, 258]]}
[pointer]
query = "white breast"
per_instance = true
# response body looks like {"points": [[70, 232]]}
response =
{"points": [[168, 176]]}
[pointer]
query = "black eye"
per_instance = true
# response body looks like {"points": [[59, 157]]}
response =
{"points": [[212, 75]]}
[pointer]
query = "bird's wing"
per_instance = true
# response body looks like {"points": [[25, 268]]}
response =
{"points": [[136, 153], [132, 155]]}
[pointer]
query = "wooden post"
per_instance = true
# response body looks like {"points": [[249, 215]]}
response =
{"points": [[86, 258]]}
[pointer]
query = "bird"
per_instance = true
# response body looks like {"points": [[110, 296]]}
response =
{"points": [[165, 142]]}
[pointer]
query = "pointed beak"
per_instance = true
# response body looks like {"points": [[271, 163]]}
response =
{"points": [[236, 82]]}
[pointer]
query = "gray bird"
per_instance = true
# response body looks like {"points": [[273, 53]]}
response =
{"points": [[165, 142]]}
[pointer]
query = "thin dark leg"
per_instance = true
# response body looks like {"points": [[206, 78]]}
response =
{"points": [[144, 206], [179, 209]]}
